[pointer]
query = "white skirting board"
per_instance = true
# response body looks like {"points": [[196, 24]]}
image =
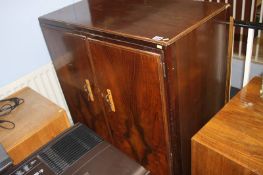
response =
{"points": [[44, 81]]}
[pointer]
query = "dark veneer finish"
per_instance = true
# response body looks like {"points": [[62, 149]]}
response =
{"points": [[140, 20], [162, 91]]}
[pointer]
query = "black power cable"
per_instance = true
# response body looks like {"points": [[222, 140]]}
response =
{"points": [[6, 108]]}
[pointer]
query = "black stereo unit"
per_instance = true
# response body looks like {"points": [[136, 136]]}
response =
{"points": [[78, 151]]}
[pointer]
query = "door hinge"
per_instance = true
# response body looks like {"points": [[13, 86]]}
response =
{"points": [[164, 70]]}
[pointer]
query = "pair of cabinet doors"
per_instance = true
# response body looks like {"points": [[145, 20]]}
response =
{"points": [[117, 91]]}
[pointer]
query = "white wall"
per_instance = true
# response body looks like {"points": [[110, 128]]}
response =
{"points": [[237, 72], [22, 47]]}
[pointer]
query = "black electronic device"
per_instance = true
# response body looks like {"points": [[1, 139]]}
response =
{"points": [[78, 151], [5, 161]]}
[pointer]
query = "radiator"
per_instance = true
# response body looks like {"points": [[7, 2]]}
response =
{"points": [[44, 81]]}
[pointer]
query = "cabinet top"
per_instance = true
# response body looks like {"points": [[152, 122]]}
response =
{"points": [[146, 20], [236, 131], [30, 117]]}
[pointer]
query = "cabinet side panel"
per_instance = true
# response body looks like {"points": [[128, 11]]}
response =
{"points": [[197, 75], [71, 62], [137, 124], [206, 161]]}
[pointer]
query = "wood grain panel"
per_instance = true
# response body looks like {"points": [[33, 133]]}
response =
{"points": [[37, 121], [195, 62], [232, 142], [206, 161], [197, 75], [135, 80], [70, 59], [140, 19]]}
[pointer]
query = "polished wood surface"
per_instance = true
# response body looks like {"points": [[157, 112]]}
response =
{"points": [[229, 57], [135, 80], [71, 62], [37, 121], [138, 19], [197, 77], [232, 141], [151, 98]]}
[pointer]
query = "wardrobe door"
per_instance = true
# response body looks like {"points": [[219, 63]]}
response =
{"points": [[131, 83], [69, 54]]}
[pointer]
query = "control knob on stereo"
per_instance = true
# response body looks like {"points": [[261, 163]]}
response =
{"points": [[26, 168], [19, 172]]}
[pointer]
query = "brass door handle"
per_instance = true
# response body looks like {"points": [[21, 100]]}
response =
{"points": [[87, 88], [109, 100]]}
